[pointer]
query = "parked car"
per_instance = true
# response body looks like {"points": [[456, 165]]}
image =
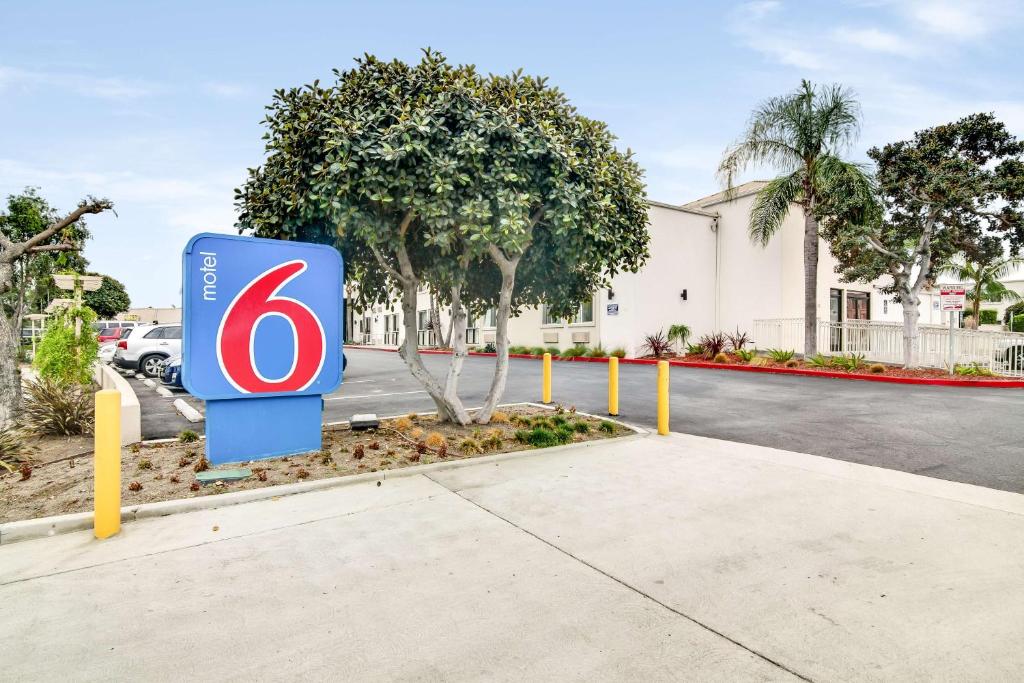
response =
{"points": [[100, 325], [147, 346], [170, 372], [110, 334]]}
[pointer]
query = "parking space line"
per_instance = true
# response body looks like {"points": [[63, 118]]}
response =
{"points": [[394, 393]]}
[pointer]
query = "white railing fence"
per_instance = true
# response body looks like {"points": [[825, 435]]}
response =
{"points": [[1000, 352]]}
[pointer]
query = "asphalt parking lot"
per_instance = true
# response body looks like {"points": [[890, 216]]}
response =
{"points": [[969, 435]]}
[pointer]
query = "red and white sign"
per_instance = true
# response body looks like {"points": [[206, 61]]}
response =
{"points": [[952, 297]]}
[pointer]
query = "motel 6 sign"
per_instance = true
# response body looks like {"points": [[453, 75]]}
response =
{"points": [[262, 341]]}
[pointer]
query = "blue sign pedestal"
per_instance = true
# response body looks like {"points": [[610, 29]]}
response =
{"points": [[239, 430]]}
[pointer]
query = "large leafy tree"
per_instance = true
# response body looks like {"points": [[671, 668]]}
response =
{"points": [[486, 190], [110, 299], [803, 135], [955, 188], [30, 229]]}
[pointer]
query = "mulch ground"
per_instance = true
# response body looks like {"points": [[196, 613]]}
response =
{"points": [[59, 484], [887, 370]]}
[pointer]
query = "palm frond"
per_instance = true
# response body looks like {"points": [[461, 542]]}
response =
{"points": [[771, 206]]}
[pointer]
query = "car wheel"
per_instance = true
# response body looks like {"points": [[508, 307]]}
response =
{"points": [[150, 365]]}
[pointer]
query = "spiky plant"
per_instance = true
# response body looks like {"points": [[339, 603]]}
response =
{"points": [[15, 449], [54, 408]]}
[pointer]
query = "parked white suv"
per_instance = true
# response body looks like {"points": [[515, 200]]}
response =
{"points": [[147, 346]]}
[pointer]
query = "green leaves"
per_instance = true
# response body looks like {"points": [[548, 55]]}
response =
{"points": [[482, 162]]}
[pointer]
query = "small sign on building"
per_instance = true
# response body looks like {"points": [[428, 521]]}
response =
{"points": [[613, 309], [952, 297]]}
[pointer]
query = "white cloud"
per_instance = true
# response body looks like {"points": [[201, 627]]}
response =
{"points": [[876, 40], [104, 87], [959, 20]]}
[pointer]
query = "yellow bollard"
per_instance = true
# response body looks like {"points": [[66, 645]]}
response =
{"points": [[613, 386], [107, 468], [546, 390], [663, 397]]}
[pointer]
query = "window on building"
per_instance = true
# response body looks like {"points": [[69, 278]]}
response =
{"points": [[490, 318], [422, 320], [584, 313], [547, 318]]}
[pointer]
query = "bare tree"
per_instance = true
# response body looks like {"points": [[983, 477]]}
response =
{"points": [[11, 253]]}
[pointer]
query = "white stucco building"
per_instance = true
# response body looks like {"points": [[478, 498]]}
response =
{"points": [[703, 271]]}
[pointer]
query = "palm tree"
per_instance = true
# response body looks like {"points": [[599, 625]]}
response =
{"points": [[985, 276], [801, 134]]}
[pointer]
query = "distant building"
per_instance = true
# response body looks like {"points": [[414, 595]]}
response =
{"points": [[149, 315]]}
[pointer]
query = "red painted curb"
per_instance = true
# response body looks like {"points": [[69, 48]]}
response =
{"points": [[986, 383]]}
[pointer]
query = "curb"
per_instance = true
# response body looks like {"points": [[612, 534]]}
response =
{"points": [[28, 529], [985, 383]]}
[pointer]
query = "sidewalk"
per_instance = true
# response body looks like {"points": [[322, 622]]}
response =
{"points": [[675, 558]]}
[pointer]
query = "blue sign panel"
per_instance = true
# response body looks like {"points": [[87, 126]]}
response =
{"points": [[262, 332], [261, 317]]}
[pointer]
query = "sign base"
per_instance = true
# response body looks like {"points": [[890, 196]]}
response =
{"points": [[239, 430]]}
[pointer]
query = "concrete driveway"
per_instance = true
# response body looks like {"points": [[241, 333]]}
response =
{"points": [[661, 558], [965, 434]]}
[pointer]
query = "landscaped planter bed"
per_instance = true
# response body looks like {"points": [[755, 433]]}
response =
{"points": [[893, 373], [166, 471]]}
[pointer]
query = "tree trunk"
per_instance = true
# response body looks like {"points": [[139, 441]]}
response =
{"points": [[410, 353], [459, 353], [10, 373], [503, 312], [810, 283], [911, 314]]}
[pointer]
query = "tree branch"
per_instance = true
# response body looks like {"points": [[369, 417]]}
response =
{"points": [[94, 206], [874, 243], [64, 246], [377, 254]]}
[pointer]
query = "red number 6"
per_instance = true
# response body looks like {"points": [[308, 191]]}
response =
{"points": [[236, 337]]}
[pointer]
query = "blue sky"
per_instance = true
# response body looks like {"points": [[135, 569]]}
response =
{"points": [[158, 105]]}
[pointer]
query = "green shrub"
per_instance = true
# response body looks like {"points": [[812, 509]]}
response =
{"points": [[60, 356], [538, 351], [697, 349], [558, 420], [51, 407], [597, 352], [489, 347], [540, 437], [1017, 323], [188, 436], [618, 352], [575, 352], [819, 361], [553, 350], [520, 350], [607, 427], [581, 426], [850, 363], [989, 316], [780, 355], [746, 354], [973, 370]]}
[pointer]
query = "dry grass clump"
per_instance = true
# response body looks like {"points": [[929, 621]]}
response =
{"points": [[435, 440], [499, 417], [470, 446], [876, 368], [403, 424], [792, 363], [721, 358]]}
